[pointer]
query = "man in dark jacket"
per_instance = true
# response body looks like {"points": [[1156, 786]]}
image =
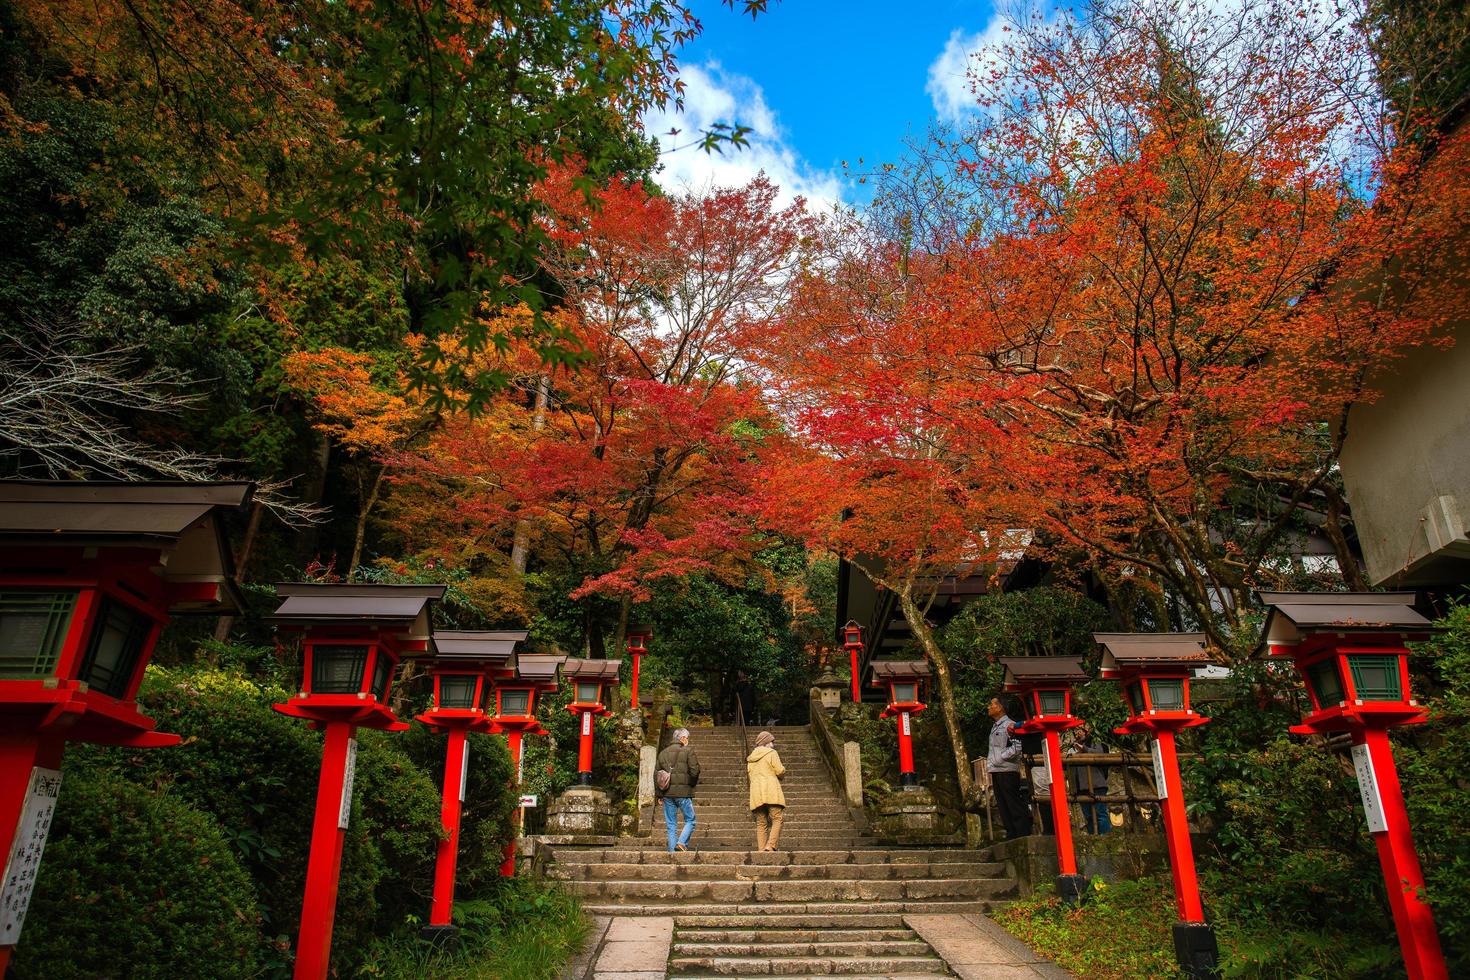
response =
{"points": [[680, 762], [1091, 781], [1003, 762]]}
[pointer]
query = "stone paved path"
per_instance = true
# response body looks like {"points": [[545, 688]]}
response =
{"points": [[830, 901]]}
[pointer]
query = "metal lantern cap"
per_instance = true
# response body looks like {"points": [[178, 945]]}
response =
{"points": [[1297, 616], [493, 649], [401, 607], [1023, 673], [1133, 653], [585, 670], [181, 521]]}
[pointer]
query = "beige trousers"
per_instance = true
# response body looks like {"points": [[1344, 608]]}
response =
{"points": [[768, 826]]}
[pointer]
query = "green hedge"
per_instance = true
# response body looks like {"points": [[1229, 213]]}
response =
{"points": [[249, 775], [136, 878]]}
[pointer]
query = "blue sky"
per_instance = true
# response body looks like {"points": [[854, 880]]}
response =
{"points": [[822, 82]]}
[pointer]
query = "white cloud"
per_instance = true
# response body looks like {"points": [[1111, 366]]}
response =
{"points": [[711, 96], [950, 87]]}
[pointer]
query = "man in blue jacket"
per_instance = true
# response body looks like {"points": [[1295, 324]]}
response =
{"points": [[1003, 762]]}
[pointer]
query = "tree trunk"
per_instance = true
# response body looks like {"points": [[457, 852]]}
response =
{"points": [[1347, 562], [944, 687], [521, 545], [362, 519], [223, 626]]}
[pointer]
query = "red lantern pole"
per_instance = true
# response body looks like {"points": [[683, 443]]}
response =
{"points": [[1061, 814], [1412, 917], [906, 775], [324, 867], [584, 750], [20, 758], [637, 656], [456, 771], [513, 739], [853, 650], [1176, 830]]}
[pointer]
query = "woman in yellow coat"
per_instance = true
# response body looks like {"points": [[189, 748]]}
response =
{"points": [[767, 802]]}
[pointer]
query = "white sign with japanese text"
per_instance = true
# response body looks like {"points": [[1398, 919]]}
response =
{"points": [[24, 861], [1368, 787], [528, 800], [586, 723], [903, 717], [344, 811], [464, 772], [1159, 780]]}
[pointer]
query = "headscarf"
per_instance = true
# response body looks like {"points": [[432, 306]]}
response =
{"points": [[764, 738]]}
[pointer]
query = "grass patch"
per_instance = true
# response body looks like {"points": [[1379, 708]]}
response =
{"points": [[1124, 932], [525, 930]]}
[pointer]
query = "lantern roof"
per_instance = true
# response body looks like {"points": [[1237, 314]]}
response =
{"points": [[643, 630], [1138, 651], [583, 669], [405, 607], [181, 520], [885, 671], [1030, 671], [493, 647], [538, 669], [1297, 615]]}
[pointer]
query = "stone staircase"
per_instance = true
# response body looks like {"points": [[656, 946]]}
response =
{"points": [[829, 901]]}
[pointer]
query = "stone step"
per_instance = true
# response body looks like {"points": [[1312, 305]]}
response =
{"points": [[814, 890], [794, 935], [637, 855], [722, 966], [770, 872], [810, 976], [792, 915], [896, 948]]}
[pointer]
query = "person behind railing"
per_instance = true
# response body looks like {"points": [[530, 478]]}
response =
{"points": [[1091, 780]]}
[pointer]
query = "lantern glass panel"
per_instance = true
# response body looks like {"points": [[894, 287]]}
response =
{"points": [[905, 693], [116, 647], [1051, 702], [32, 630], [457, 690], [515, 702], [1134, 691], [1326, 683], [337, 669], [587, 692], [382, 673], [1376, 677], [1167, 695]]}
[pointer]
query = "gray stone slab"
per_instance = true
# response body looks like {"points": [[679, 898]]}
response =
{"points": [[974, 946], [629, 929], [633, 956], [641, 975]]}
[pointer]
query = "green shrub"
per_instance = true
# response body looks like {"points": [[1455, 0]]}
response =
{"points": [[136, 882], [517, 928], [490, 798]]}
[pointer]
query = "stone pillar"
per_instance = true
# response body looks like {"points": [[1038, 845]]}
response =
{"points": [[852, 771], [647, 761], [582, 811], [910, 816]]}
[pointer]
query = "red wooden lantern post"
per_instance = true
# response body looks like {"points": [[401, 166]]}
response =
{"points": [[638, 637], [904, 680], [515, 716], [464, 669], [588, 678], [1349, 650], [852, 641], [354, 637], [1155, 669], [1045, 684], [89, 574]]}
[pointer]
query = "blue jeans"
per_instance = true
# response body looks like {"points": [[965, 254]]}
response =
{"points": [[1095, 815], [672, 807]]}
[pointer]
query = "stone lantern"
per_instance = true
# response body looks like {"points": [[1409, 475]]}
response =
{"points": [[515, 716], [584, 810]]}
